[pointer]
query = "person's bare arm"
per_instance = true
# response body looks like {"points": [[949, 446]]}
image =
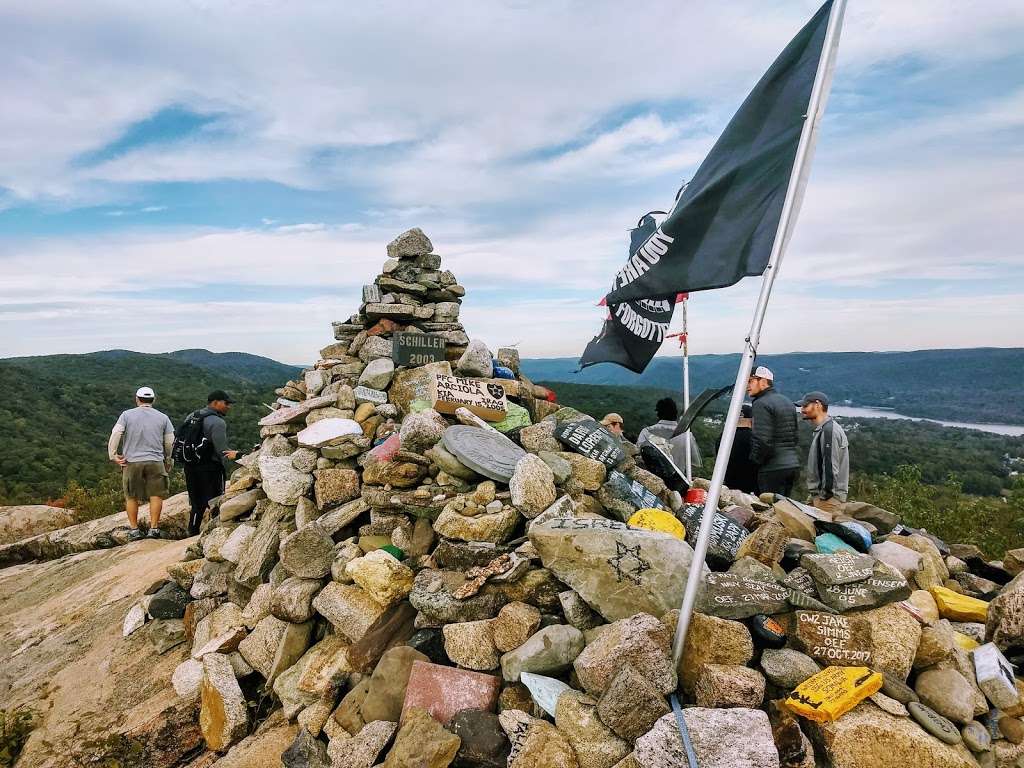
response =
{"points": [[168, 447], [115, 440]]}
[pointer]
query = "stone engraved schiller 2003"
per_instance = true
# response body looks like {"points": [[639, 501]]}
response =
{"points": [[413, 349], [485, 399], [590, 439]]}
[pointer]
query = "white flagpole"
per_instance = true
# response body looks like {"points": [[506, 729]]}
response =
{"points": [[686, 386], [790, 208]]}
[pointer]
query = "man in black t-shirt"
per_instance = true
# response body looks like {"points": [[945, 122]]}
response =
{"points": [[741, 474], [205, 480]]}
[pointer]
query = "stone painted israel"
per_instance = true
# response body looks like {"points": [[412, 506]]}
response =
{"points": [[414, 570]]}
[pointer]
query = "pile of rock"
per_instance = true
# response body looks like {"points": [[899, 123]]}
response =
{"points": [[428, 563]]}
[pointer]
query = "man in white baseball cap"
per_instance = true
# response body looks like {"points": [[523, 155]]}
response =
{"points": [[146, 437], [773, 434]]}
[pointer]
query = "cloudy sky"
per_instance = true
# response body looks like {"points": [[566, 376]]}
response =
{"points": [[226, 174]]}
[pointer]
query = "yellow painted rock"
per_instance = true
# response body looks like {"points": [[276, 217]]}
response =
{"points": [[833, 692], [964, 641], [957, 607], [657, 520]]}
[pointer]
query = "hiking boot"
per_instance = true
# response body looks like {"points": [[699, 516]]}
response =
{"points": [[134, 534], [154, 533]]}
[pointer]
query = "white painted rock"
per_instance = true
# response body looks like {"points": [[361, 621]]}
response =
{"points": [[326, 431], [134, 620]]}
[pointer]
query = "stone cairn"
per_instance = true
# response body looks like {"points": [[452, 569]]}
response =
{"points": [[420, 586]]}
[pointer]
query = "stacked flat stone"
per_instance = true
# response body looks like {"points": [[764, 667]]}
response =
{"points": [[417, 589]]}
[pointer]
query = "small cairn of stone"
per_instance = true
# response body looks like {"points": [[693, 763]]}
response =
{"points": [[430, 563]]}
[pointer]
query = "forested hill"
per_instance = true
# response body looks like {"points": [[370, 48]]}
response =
{"points": [[979, 385], [57, 410]]}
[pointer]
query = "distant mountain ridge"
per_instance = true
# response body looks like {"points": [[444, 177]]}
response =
{"points": [[983, 384], [241, 366], [58, 410]]}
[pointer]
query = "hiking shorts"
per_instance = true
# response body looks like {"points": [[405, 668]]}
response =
{"points": [[142, 480]]}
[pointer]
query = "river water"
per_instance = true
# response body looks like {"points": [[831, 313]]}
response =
{"points": [[1013, 430]]}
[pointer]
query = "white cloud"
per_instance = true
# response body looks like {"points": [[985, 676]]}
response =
{"points": [[308, 226], [471, 87], [431, 116]]}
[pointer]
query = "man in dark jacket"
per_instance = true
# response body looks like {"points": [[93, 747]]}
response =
{"points": [[205, 480], [774, 435], [741, 474]]}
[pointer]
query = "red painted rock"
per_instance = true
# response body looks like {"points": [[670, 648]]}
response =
{"points": [[446, 691]]}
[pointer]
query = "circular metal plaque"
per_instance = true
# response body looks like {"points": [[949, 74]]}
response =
{"points": [[489, 453]]}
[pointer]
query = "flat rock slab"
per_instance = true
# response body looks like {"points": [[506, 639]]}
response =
{"points": [[296, 412], [488, 453], [223, 715], [730, 596], [830, 639], [445, 691], [414, 383], [840, 568], [726, 534], [868, 736], [592, 440], [617, 570], [327, 431]]}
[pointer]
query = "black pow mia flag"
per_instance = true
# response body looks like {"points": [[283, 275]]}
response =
{"points": [[724, 225], [633, 330]]}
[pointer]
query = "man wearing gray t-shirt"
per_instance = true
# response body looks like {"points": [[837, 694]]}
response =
{"points": [[146, 438]]}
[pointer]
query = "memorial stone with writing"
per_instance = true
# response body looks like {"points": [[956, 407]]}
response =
{"points": [[801, 580], [592, 440], [799, 599], [367, 395], [729, 596], [884, 586], [840, 568], [414, 383], [766, 544], [415, 349], [833, 692], [934, 723], [449, 393], [619, 571], [372, 294], [726, 534], [632, 491], [995, 676], [831, 639]]}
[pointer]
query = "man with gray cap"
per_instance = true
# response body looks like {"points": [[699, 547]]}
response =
{"points": [[774, 435], [145, 436], [828, 460]]}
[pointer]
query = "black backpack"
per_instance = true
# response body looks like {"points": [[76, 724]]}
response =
{"points": [[191, 446]]}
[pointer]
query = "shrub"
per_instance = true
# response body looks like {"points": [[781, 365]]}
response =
{"points": [[15, 727], [994, 524]]}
